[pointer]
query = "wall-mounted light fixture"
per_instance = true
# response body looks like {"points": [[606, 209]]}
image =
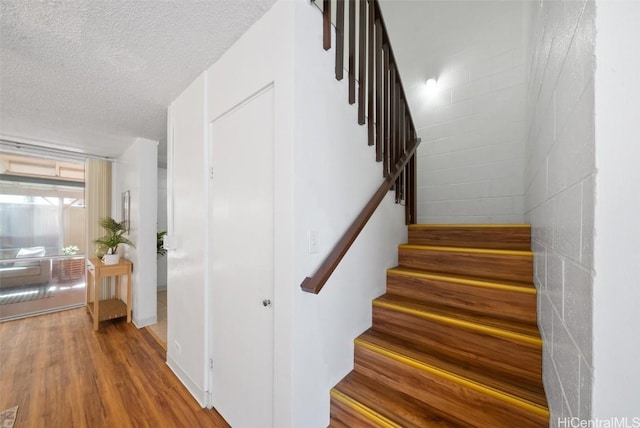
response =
{"points": [[431, 85]]}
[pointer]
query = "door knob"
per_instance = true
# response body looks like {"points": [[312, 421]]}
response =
{"points": [[266, 302]]}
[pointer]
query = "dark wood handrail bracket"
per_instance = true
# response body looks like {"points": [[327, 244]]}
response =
{"points": [[388, 117], [315, 283]]}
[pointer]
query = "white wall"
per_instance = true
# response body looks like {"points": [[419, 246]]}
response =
{"points": [[472, 129], [136, 172], [264, 56], [616, 318], [325, 172], [162, 225], [187, 219], [559, 197], [335, 174]]}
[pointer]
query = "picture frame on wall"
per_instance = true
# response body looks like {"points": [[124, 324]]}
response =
{"points": [[126, 207]]}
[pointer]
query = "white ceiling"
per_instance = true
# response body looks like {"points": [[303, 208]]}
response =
{"points": [[96, 74]]}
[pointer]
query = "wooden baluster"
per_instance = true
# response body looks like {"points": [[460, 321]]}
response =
{"points": [[362, 60], [379, 92], [397, 128], [401, 143], [340, 40], [388, 163], [352, 51], [407, 128], [407, 198], [326, 24], [414, 183], [405, 115], [410, 199], [370, 111], [390, 126], [392, 118], [399, 153], [406, 145]]}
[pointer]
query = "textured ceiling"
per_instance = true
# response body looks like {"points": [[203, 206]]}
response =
{"points": [[96, 74]]}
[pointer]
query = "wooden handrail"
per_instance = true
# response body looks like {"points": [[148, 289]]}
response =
{"points": [[382, 97], [315, 283]]}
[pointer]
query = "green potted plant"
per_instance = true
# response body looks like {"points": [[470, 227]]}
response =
{"points": [[71, 268], [113, 238], [70, 250]]}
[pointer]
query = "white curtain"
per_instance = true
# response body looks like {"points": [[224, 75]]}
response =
{"points": [[98, 203]]}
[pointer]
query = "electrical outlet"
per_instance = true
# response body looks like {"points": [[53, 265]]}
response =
{"points": [[313, 241]]}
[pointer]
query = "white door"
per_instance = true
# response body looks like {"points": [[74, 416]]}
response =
{"points": [[242, 262]]}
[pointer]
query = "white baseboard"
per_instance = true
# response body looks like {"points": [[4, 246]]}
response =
{"points": [[145, 321], [186, 380]]}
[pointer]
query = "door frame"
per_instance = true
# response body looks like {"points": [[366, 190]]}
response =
{"points": [[209, 286]]}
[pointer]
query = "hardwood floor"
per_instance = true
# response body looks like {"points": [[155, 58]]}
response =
{"points": [[159, 329], [58, 295], [62, 374]]}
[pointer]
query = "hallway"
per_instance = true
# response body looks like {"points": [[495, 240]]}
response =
{"points": [[60, 373]]}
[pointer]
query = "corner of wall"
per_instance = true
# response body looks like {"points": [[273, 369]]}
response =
{"points": [[137, 173], [616, 318], [559, 198]]}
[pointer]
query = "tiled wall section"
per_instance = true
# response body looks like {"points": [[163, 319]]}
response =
{"points": [[470, 162], [559, 197]]}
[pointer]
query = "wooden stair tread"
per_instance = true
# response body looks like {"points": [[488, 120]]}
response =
{"points": [[510, 265], [394, 408], [455, 341], [465, 369], [515, 286], [502, 236], [472, 250], [512, 300], [528, 332]]}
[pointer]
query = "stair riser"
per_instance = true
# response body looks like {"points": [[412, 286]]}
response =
{"points": [[342, 416], [501, 238], [485, 265], [406, 415], [489, 301], [518, 359], [474, 407]]}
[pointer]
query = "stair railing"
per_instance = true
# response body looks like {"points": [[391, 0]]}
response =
{"points": [[390, 125]]}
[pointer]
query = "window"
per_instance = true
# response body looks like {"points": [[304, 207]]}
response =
{"points": [[41, 205], [52, 222], [42, 235]]}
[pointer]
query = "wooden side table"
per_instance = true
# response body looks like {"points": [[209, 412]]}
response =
{"points": [[102, 310]]}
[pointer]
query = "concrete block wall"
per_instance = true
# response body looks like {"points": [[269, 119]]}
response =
{"points": [[559, 197], [470, 162]]}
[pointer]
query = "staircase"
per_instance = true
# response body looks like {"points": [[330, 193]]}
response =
{"points": [[454, 341]]}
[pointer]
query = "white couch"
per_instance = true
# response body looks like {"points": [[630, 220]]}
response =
{"points": [[31, 270]]}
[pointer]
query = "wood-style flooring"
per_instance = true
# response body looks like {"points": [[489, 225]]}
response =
{"points": [[62, 374], [159, 329]]}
